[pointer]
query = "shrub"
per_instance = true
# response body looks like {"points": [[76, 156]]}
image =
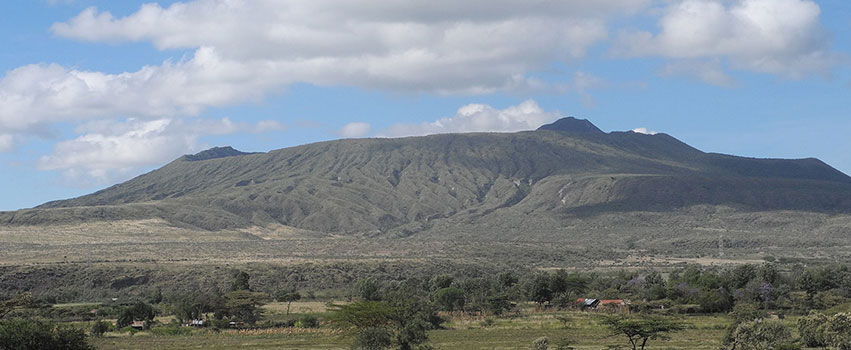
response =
{"points": [[100, 327], [839, 331], [307, 321], [372, 339], [542, 343], [762, 335], [22, 334], [811, 329]]}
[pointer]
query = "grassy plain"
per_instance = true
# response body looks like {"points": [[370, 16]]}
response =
{"points": [[461, 333]]}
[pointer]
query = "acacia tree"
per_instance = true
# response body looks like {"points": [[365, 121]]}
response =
{"points": [[639, 330], [377, 325], [243, 306], [289, 298]]}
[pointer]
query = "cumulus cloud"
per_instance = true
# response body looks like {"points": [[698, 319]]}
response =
{"points": [[644, 131], [37, 94], [480, 118], [440, 46], [109, 150], [782, 37], [357, 129]]}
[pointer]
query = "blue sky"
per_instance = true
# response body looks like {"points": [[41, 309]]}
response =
{"points": [[93, 93]]}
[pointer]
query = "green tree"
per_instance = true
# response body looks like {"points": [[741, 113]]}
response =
{"points": [[654, 286], [99, 328], [762, 334], [244, 306], [441, 281], [196, 306], [368, 289], [812, 330], [741, 313], [373, 339], [406, 323], [539, 290], [498, 304], [241, 281], [558, 282], [638, 330], [140, 311], [450, 299], [838, 331], [715, 300], [21, 334], [506, 280]]}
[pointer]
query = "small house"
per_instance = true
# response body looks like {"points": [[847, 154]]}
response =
{"points": [[140, 325], [586, 303], [602, 304]]}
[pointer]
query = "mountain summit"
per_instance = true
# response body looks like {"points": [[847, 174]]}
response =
{"points": [[484, 185], [571, 124], [213, 153]]}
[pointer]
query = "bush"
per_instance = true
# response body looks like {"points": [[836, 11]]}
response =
{"points": [[307, 321], [838, 331], [21, 334], [129, 330], [372, 339], [811, 329], [762, 335], [100, 327], [542, 343]]}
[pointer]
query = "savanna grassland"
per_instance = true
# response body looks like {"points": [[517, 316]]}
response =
{"points": [[516, 331]]}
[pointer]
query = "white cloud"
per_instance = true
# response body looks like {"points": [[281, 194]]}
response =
{"points": [[443, 46], [480, 118], [782, 37], [358, 129], [244, 50], [101, 156], [644, 131], [40, 94], [108, 150]]}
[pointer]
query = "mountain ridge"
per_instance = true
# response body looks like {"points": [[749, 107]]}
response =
{"points": [[413, 185]]}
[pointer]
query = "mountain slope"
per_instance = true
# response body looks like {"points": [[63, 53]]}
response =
{"points": [[444, 182]]}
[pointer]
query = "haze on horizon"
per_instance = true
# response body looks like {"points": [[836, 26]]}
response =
{"points": [[96, 92]]}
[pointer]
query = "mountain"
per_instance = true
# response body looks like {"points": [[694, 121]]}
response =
{"points": [[568, 175]]}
